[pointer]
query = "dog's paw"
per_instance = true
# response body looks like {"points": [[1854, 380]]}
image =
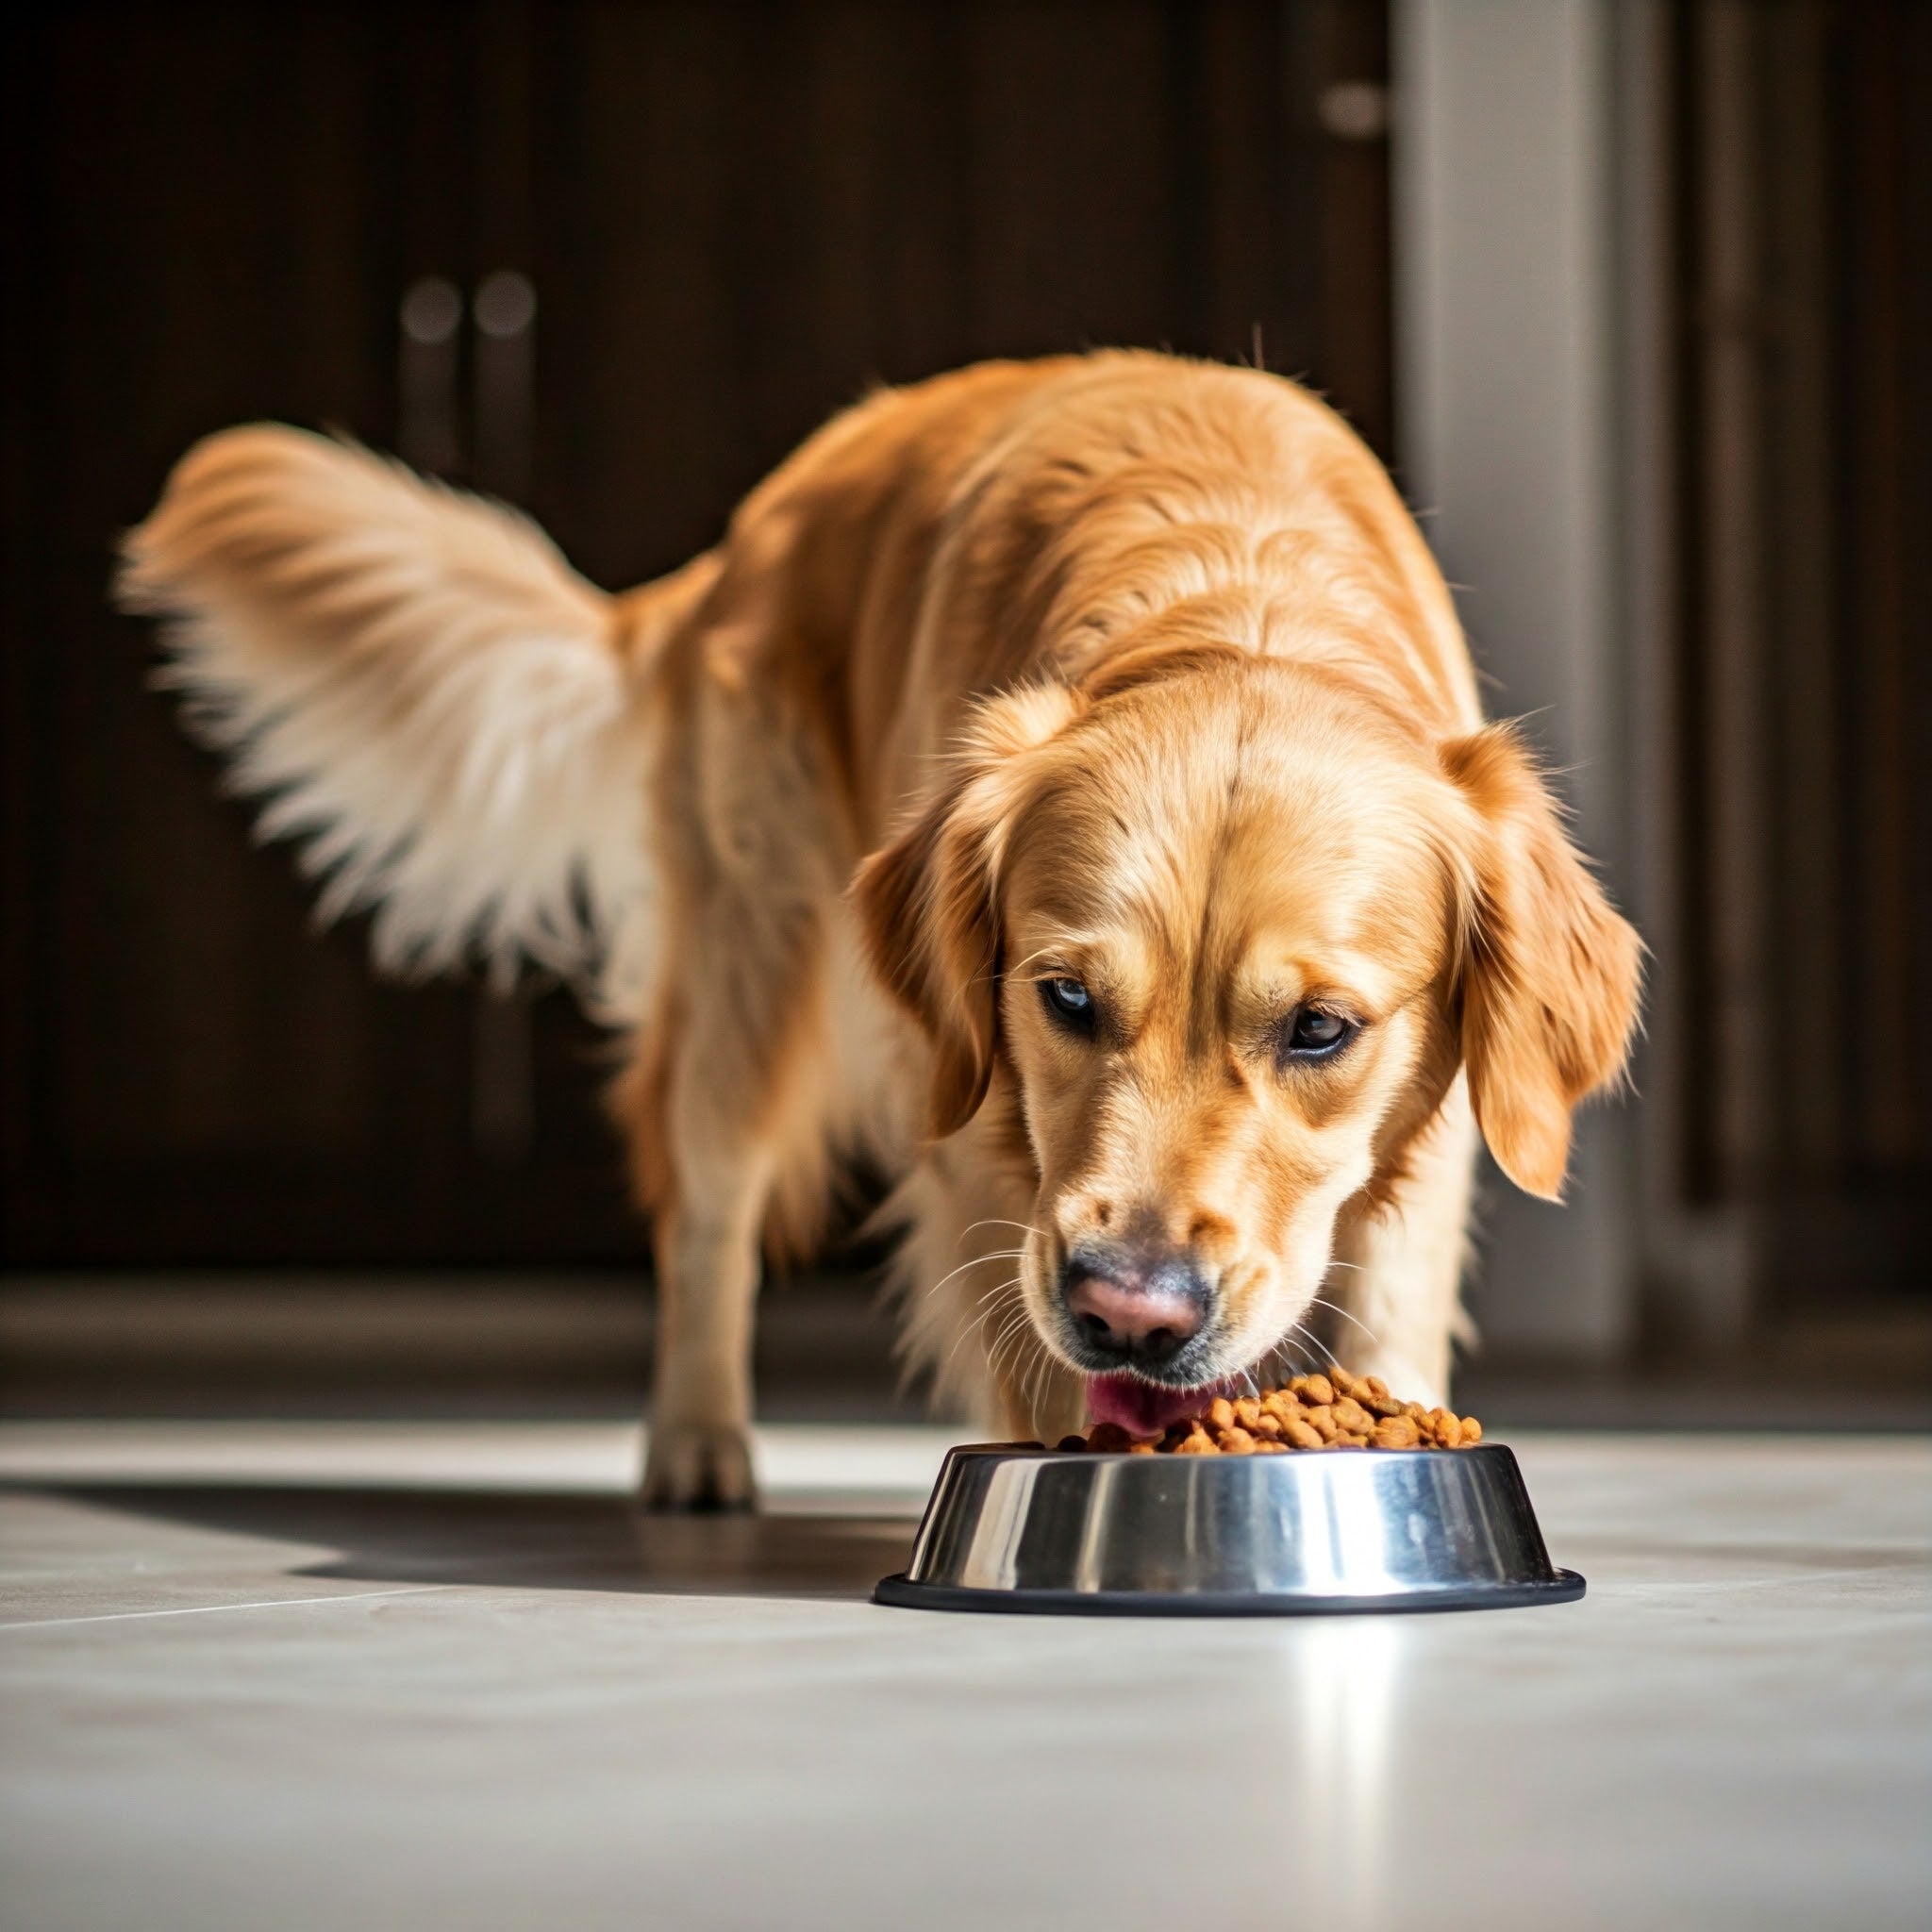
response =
{"points": [[699, 1466]]}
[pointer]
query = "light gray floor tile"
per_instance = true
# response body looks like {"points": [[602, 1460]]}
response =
{"points": [[375, 1695]]}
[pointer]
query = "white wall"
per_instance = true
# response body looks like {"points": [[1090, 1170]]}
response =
{"points": [[1509, 152]]}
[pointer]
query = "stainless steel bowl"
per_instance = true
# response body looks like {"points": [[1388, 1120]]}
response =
{"points": [[1012, 1528]]}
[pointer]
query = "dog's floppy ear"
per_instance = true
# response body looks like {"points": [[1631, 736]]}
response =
{"points": [[929, 903], [1550, 973]]}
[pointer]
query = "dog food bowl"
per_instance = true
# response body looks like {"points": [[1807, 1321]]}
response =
{"points": [[1026, 1529]]}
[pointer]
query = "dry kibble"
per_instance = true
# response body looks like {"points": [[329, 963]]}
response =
{"points": [[1331, 1411], [1351, 1417]]}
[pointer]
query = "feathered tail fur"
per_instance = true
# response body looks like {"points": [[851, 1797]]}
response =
{"points": [[453, 725]]}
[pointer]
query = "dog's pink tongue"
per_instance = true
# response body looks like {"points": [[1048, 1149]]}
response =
{"points": [[1140, 1407]]}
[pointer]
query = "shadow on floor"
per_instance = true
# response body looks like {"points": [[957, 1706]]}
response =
{"points": [[533, 1541]]}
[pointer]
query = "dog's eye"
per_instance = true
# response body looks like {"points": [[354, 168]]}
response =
{"points": [[1070, 1003], [1314, 1034]]}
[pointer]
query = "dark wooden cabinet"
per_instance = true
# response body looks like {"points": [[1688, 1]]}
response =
{"points": [[734, 218], [1801, 973]]}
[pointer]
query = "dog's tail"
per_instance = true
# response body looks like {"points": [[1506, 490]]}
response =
{"points": [[455, 727]]}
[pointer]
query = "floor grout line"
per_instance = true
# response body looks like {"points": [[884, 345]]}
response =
{"points": [[274, 1603]]}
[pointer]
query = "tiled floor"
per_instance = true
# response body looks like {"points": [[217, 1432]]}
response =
{"points": [[340, 1675]]}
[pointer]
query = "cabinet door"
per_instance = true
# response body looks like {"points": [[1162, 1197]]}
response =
{"points": [[215, 214]]}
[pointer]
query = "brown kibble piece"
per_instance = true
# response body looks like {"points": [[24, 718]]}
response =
{"points": [[1471, 1432], [1220, 1413], [1302, 1436], [1318, 1391], [1109, 1437], [1237, 1441], [1069, 1444], [1141, 1449], [1396, 1432]]}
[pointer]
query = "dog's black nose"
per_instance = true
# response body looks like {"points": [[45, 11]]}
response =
{"points": [[1133, 1309]]}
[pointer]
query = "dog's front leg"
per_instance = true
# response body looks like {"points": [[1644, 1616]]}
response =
{"points": [[1399, 1283], [733, 1066], [708, 1279]]}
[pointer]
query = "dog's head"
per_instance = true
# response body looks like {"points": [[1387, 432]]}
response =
{"points": [[1226, 933]]}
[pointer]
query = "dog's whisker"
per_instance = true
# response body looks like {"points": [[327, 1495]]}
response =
{"points": [[1036, 1381], [1292, 1352], [1009, 1357], [1000, 1221], [1336, 1307], [980, 1320], [992, 1254], [1010, 1326], [1317, 1354], [1023, 1336], [995, 1295]]}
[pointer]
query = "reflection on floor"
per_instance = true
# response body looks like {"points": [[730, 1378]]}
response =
{"points": [[364, 1676]]}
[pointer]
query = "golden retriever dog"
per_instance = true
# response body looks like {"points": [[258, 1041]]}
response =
{"points": [[1063, 788]]}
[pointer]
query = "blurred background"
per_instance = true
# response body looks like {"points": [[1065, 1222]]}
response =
{"points": [[1634, 295]]}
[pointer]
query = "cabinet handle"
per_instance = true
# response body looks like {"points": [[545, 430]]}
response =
{"points": [[427, 358], [502, 408]]}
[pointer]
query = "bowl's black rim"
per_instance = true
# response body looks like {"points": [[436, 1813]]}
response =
{"points": [[901, 1592]]}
